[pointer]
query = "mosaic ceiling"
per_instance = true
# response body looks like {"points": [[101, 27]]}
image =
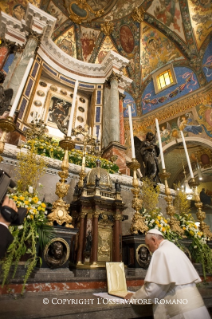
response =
{"points": [[176, 31]]}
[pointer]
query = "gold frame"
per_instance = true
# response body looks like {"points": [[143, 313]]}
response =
{"points": [[51, 94], [52, 241]]}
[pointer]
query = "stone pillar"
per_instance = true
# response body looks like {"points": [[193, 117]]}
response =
{"points": [[121, 116], [81, 238], [95, 238], [117, 243], [18, 73], [106, 116], [114, 108]]}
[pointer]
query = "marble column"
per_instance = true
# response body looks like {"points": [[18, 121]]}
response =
{"points": [[114, 109], [18, 72], [81, 238], [121, 116], [106, 116], [95, 238]]}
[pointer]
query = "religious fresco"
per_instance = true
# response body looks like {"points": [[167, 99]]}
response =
{"points": [[170, 130], [106, 46], [122, 8], [57, 13], [186, 83], [156, 50], [67, 43], [201, 19], [207, 62], [88, 40], [168, 12], [17, 8], [129, 100], [126, 39], [205, 117]]}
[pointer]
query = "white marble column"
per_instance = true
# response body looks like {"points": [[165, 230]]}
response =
{"points": [[114, 109]]}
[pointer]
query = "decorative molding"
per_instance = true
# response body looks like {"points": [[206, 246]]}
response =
{"points": [[138, 14], [12, 29], [10, 157]]}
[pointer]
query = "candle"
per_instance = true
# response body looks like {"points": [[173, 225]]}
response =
{"points": [[72, 109], [131, 131], [21, 87], [187, 156], [160, 144]]}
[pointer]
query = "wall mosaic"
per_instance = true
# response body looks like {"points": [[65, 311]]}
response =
{"points": [[201, 19], [67, 43], [156, 50], [168, 12], [186, 83]]}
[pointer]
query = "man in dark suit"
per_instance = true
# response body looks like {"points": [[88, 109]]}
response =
{"points": [[5, 236]]}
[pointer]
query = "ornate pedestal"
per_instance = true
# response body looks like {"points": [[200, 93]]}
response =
{"points": [[117, 150], [56, 253]]}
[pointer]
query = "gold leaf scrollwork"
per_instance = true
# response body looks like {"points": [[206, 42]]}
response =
{"points": [[107, 28], [138, 14]]}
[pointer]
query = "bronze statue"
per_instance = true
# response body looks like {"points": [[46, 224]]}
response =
{"points": [[56, 255], [5, 95], [147, 153], [143, 257]]}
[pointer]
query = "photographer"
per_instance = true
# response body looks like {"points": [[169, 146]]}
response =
{"points": [[5, 236]]}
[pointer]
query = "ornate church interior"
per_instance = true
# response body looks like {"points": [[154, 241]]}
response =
{"points": [[106, 129]]}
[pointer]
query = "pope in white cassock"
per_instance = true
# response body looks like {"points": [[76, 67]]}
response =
{"points": [[170, 282]]}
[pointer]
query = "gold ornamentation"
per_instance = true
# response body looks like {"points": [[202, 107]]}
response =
{"points": [[138, 221], [104, 244], [107, 28], [88, 139], [173, 222], [138, 14], [60, 212], [82, 4], [200, 214]]}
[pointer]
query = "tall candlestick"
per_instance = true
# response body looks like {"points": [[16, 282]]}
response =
{"points": [[21, 87], [187, 156], [131, 131], [72, 109], [160, 144]]}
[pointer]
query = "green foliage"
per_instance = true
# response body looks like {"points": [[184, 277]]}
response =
{"points": [[49, 147], [201, 253], [181, 203], [150, 194], [29, 169]]}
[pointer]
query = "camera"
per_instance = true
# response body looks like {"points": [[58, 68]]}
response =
{"points": [[11, 216]]}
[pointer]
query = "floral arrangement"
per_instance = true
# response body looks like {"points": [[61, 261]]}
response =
{"points": [[49, 147], [27, 236]]}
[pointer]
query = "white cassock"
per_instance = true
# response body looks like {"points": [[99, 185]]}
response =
{"points": [[170, 283]]}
